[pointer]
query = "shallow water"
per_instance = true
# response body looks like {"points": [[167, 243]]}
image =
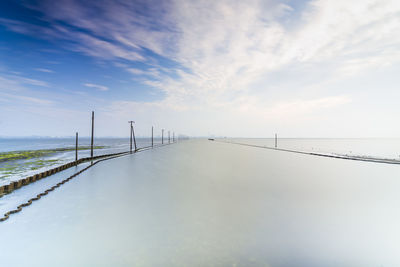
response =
{"points": [[15, 170], [367, 147], [202, 203], [370, 147]]}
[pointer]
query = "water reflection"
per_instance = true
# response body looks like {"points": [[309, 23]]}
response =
{"points": [[201, 203]]}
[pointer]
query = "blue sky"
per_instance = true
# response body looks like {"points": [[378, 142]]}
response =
{"points": [[315, 68]]}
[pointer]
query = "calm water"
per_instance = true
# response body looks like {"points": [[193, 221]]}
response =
{"points": [[202, 203], [373, 147], [382, 148]]}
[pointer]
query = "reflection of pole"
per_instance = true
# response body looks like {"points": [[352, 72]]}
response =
{"points": [[162, 136], [152, 142], [91, 144], [276, 140], [168, 138], [76, 147], [130, 137]]}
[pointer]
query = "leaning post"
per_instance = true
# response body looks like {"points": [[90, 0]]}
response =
{"points": [[134, 139], [76, 148], [130, 137], [91, 144]]}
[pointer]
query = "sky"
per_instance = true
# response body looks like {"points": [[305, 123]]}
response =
{"points": [[316, 68]]}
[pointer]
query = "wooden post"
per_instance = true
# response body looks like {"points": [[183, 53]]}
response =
{"points": [[162, 136], [131, 135], [169, 138], [91, 144], [130, 139], [152, 142], [76, 148], [276, 140], [173, 137]]}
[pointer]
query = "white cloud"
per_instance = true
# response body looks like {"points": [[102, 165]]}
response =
{"points": [[31, 81], [100, 87], [13, 90], [229, 52], [13, 82], [44, 70], [136, 71], [30, 99]]}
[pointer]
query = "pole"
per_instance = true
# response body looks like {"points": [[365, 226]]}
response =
{"points": [[91, 144], [173, 137], [276, 140], [130, 140], [76, 147], [131, 135], [169, 138], [162, 136], [152, 142]]}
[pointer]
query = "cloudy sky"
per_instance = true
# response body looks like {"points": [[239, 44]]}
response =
{"points": [[317, 68]]}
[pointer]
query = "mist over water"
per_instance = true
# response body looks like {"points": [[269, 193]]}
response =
{"points": [[203, 203]]}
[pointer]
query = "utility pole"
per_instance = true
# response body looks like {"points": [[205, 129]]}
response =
{"points": [[91, 144], [76, 148], [152, 142], [276, 140], [162, 136], [130, 137], [169, 138]]}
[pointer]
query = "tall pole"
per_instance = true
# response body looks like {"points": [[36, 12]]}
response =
{"points": [[76, 147], [276, 140], [162, 136], [91, 144], [130, 137], [152, 142]]}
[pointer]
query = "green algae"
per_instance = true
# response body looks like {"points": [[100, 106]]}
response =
{"points": [[32, 165], [31, 154], [18, 162]]}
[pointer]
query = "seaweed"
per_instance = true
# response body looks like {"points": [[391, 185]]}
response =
{"points": [[19, 162], [30, 154]]}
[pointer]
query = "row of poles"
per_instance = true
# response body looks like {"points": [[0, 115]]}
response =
{"points": [[131, 138]]}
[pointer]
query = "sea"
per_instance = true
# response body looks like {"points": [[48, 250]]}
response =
{"points": [[200, 202], [11, 171]]}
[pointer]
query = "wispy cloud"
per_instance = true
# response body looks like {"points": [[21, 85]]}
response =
{"points": [[44, 70], [97, 86], [16, 81], [30, 99], [136, 71], [227, 53], [13, 89]]}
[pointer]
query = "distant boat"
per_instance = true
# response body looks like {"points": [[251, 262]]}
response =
{"points": [[211, 139]]}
